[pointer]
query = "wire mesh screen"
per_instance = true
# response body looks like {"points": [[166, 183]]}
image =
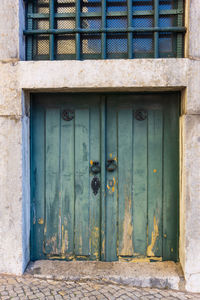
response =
{"points": [[104, 29]]}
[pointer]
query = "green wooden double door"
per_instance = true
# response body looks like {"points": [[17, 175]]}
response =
{"points": [[104, 177]]}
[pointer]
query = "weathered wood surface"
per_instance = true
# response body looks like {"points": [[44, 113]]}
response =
{"points": [[135, 213]]}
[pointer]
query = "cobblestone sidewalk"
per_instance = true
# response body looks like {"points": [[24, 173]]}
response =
{"points": [[27, 287]]}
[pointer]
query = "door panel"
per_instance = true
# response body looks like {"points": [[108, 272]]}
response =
{"points": [[139, 207], [65, 211], [134, 214]]}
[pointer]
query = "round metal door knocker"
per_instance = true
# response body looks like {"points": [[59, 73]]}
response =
{"points": [[68, 114], [141, 114]]}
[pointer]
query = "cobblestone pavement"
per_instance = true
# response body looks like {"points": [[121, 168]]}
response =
{"points": [[27, 287]]}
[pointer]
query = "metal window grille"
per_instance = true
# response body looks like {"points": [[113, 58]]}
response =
{"points": [[104, 29]]}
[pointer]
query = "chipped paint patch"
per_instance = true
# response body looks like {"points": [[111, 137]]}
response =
{"points": [[111, 185], [127, 242], [94, 240], [103, 247], [80, 243], [60, 230], [45, 228], [56, 256], [40, 221], [51, 244], [154, 236], [64, 241], [139, 259]]}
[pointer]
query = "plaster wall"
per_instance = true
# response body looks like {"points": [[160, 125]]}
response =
{"points": [[10, 195], [11, 29], [18, 77], [191, 191], [193, 23]]}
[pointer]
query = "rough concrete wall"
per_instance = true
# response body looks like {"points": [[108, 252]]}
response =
{"points": [[138, 74], [193, 101], [9, 90], [191, 163], [10, 29], [193, 26], [11, 195], [14, 193], [190, 183]]}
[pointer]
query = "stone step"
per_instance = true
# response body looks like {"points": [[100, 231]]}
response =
{"points": [[166, 275]]}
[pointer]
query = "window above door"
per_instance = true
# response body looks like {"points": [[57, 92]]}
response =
{"points": [[104, 29]]}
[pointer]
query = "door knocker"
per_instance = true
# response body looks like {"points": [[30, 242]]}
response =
{"points": [[140, 114], [111, 165], [95, 167], [68, 114]]}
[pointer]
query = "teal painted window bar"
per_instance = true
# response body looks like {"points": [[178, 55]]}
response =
{"points": [[104, 29]]}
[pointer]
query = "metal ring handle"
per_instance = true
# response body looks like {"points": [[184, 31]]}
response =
{"points": [[111, 165], [95, 168]]}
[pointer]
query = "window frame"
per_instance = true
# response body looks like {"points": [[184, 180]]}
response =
{"points": [[178, 30]]}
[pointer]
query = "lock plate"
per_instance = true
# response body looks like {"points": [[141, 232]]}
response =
{"points": [[95, 185]]}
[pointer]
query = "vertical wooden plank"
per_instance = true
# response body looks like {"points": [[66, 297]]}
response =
{"points": [[94, 199], [82, 200], [37, 182], [103, 177], [140, 186], [53, 204], [125, 160], [111, 189], [155, 141], [171, 178], [67, 186]]}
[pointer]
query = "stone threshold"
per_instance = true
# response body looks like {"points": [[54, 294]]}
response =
{"points": [[165, 275]]}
